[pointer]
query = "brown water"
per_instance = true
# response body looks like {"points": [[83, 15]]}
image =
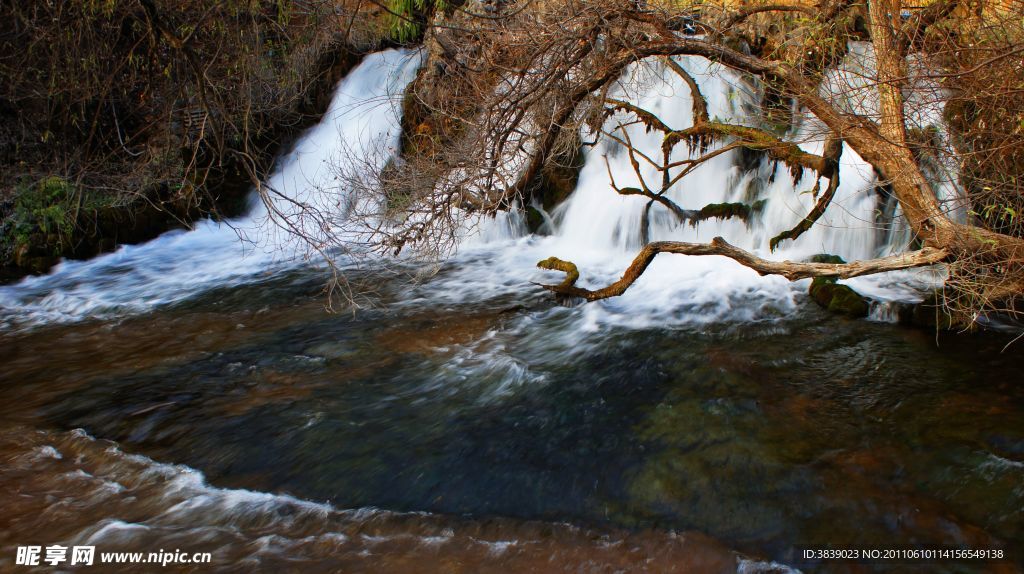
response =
{"points": [[494, 436]]}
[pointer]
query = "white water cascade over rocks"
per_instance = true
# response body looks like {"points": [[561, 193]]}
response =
{"points": [[601, 231], [596, 228], [363, 115], [192, 393]]}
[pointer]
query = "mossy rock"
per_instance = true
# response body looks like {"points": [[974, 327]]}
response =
{"points": [[838, 298], [846, 301], [558, 178], [34, 256], [833, 296], [827, 258]]}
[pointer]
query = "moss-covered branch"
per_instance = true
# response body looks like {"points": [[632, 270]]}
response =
{"points": [[699, 136], [741, 211], [572, 274], [647, 118], [833, 150]]}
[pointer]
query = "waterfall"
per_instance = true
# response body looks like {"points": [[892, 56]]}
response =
{"points": [[601, 231], [596, 228], [597, 216], [362, 118]]}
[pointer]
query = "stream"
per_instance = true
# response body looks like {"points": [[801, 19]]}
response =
{"points": [[193, 393]]}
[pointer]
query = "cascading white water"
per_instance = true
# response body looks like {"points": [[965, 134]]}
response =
{"points": [[595, 210], [363, 116], [596, 228], [601, 230]]}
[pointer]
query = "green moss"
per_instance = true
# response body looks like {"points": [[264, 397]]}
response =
{"points": [[42, 210], [821, 290], [572, 274], [846, 301], [725, 210], [827, 258], [742, 211], [408, 18], [837, 298]]}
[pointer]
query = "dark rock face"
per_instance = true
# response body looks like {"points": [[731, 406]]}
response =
{"points": [[556, 182], [930, 313]]}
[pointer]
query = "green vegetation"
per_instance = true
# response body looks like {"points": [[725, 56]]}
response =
{"points": [[407, 19], [833, 296], [165, 109], [741, 211], [838, 298], [44, 207]]}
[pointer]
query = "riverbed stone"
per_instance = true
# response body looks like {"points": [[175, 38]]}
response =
{"points": [[330, 350], [838, 298], [834, 296]]}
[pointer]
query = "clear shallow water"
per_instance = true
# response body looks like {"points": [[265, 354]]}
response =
{"points": [[708, 420]]}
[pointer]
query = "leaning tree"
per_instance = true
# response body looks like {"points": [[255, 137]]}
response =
{"points": [[509, 88]]}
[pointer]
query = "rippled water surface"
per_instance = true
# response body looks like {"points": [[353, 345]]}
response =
{"points": [[505, 420]]}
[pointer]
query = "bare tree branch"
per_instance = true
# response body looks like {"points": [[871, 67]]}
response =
{"points": [[718, 246], [747, 11], [700, 103]]}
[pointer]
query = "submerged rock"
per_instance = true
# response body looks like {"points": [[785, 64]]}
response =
{"points": [[330, 350]]}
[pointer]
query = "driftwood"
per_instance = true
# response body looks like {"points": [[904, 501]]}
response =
{"points": [[718, 246]]}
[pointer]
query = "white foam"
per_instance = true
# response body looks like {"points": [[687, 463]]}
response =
{"points": [[600, 230], [363, 117], [596, 228]]}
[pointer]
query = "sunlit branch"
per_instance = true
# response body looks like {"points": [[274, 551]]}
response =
{"points": [[718, 246]]}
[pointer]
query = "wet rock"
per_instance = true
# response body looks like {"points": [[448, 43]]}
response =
{"points": [[838, 298], [834, 296], [1006, 446], [534, 219], [559, 177], [21, 255], [930, 313], [848, 302], [429, 334]]}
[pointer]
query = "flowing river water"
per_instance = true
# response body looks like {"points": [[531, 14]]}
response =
{"points": [[192, 393]]}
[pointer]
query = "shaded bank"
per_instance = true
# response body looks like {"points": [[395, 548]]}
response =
{"points": [[121, 121]]}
